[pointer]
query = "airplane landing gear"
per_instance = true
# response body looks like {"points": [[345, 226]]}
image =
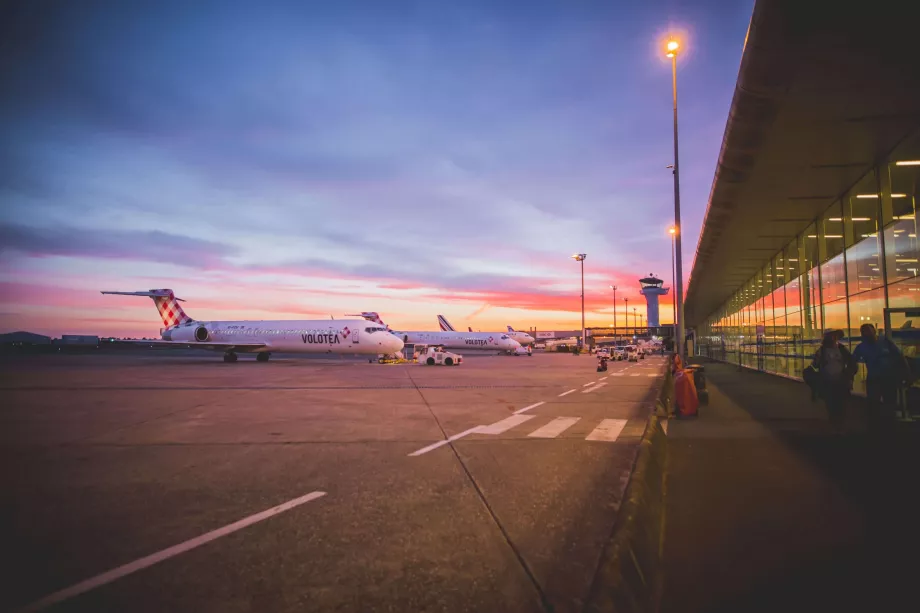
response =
{"points": [[263, 356], [229, 357]]}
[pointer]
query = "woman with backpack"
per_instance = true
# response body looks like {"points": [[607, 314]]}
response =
{"points": [[836, 369]]}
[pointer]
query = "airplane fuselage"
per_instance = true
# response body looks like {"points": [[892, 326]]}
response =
{"points": [[291, 336], [461, 340]]}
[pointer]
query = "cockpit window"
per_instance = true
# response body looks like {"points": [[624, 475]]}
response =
{"points": [[504, 337], [372, 330]]}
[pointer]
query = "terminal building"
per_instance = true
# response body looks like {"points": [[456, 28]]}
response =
{"points": [[812, 221]]}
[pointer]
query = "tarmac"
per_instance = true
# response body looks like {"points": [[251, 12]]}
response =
{"points": [[146, 481], [768, 509]]}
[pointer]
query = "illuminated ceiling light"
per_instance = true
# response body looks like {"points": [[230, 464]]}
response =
{"points": [[907, 261], [861, 219], [899, 195], [834, 219], [812, 236], [912, 236], [833, 236], [908, 163], [867, 195], [911, 216]]}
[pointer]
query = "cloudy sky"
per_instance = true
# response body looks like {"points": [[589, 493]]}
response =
{"points": [[279, 160]]}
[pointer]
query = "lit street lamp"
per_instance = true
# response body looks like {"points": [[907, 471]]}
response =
{"points": [[635, 325], [580, 257], [614, 288], [672, 48]]}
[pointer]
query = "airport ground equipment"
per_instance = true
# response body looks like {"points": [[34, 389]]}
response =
{"points": [[435, 357]]}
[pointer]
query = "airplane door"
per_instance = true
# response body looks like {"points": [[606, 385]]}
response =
{"points": [[354, 337]]}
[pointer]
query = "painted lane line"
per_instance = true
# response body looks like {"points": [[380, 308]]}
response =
{"points": [[589, 383], [567, 393], [450, 439], [604, 378], [142, 563], [554, 428], [533, 406], [591, 389], [618, 374], [505, 424], [607, 430], [654, 374], [635, 374]]}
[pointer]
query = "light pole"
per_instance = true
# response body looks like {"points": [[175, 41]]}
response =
{"points": [[626, 300], [614, 288], [580, 257], [672, 47], [673, 231], [635, 319]]}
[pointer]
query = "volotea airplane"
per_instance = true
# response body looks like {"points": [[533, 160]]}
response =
{"points": [[451, 339], [334, 336], [521, 337]]}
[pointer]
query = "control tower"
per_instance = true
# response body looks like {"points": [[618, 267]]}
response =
{"points": [[651, 289]]}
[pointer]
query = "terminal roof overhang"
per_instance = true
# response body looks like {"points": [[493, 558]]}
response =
{"points": [[821, 96]]}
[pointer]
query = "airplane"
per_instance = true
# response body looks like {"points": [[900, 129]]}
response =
{"points": [[451, 339], [263, 337], [521, 337]]}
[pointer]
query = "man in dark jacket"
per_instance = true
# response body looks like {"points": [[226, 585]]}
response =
{"points": [[836, 368], [886, 370]]}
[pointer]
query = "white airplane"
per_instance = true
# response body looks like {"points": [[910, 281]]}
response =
{"points": [[521, 337], [263, 337], [451, 339]]}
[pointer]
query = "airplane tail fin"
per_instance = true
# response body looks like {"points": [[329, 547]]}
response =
{"points": [[167, 304], [510, 329], [470, 328], [445, 325], [370, 316]]}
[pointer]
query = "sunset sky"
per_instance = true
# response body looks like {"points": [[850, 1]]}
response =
{"points": [[292, 160]]}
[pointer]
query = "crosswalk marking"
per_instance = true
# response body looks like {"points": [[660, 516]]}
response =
{"points": [[554, 428], [505, 424], [607, 430]]}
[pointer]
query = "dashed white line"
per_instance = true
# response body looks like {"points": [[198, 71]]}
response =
{"points": [[591, 389], [142, 563], [505, 424], [654, 374], [607, 430], [567, 393], [618, 374], [589, 383], [533, 406], [434, 446], [635, 374], [554, 428]]}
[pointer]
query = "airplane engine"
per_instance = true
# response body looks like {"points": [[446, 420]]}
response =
{"points": [[202, 335]]}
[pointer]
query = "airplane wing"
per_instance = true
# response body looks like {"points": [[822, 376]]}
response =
{"points": [[238, 347]]}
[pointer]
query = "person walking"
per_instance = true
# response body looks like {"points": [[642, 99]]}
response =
{"points": [[836, 367], [886, 370]]}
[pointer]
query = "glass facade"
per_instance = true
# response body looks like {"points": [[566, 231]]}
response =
{"points": [[859, 257]]}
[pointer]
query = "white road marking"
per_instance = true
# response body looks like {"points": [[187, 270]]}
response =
{"points": [[566, 393], [654, 374], [591, 389], [142, 563], [554, 428], [607, 430], [603, 378], [635, 374], [434, 446], [505, 424], [589, 383], [533, 406], [618, 374]]}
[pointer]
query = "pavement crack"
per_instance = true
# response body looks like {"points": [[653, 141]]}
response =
{"points": [[544, 601]]}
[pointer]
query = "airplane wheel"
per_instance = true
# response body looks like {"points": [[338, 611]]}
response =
{"points": [[229, 357], [262, 357]]}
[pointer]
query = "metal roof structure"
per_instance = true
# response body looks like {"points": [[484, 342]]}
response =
{"points": [[824, 91]]}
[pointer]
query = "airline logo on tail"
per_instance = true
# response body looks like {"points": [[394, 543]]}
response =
{"points": [[167, 304], [510, 329], [445, 325]]}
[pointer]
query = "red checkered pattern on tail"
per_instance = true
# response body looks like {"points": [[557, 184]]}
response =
{"points": [[169, 309]]}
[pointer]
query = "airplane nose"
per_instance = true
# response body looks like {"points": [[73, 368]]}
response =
{"points": [[394, 344]]}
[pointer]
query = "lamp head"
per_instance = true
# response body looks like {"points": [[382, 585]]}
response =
{"points": [[672, 47]]}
